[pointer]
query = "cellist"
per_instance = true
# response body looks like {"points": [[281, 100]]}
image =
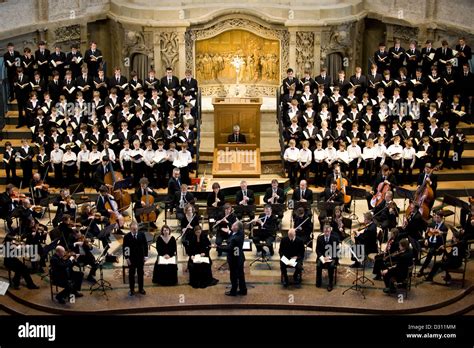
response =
{"points": [[140, 199], [429, 177], [385, 177]]}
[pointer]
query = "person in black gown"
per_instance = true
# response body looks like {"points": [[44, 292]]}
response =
{"points": [[200, 274], [166, 275]]}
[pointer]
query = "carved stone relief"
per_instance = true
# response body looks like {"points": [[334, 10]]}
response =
{"points": [[169, 49], [337, 39], [304, 51], [68, 35]]}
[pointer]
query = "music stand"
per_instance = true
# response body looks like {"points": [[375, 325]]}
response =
{"points": [[456, 203], [355, 284], [263, 257], [101, 284], [355, 192], [405, 194]]}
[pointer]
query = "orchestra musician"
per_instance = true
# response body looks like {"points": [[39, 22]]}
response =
{"points": [[274, 194], [303, 224], [386, 214], [467, 223], [135, 251], [63, 275], [327, 247], [367, 238], [15, 265], [165, 274], [430, 177], [397, 271], [333, 198], [215, 201], [452, 258], [90, 221], [224, 225], [266, 224], [337, 224], [302, 196], [7, 206], [245, 201], [65, 205], [390, 248], [435, 238], [140, 199], [386, 177], [82, 247], [188, 222], [181, 199], [292, 247]]}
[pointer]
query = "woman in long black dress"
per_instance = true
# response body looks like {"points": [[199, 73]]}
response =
{"points": [[200, 274], [165, 274], [190, 221]]}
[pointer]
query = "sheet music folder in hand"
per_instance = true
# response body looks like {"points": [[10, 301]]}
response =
{"points": [[163, 261]]}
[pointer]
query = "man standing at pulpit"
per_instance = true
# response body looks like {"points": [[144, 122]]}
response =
{"points": [[236, 136]]}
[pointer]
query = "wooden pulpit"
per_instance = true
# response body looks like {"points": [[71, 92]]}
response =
{"points": [[245, 112]]}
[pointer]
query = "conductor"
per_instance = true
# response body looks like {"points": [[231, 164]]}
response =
{"points": [[236, 259], [236, 136]]}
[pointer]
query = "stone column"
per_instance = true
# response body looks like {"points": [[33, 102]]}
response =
{"points": [[292, 53], [157, 52], [181, 51], [317, 52]]}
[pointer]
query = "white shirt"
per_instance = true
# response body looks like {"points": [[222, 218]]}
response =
{"points": [[370, 152], [343, 156], [94, 156], [354, 152], [109, 153], [172, 154], [185, 156], [82, 156], [331, 155], [135, 152], [319, 155], [56, 156], [291, 154], [397, 151], [125, 155], [305, 156], [148, 155], [69, 156], [409, 153]]}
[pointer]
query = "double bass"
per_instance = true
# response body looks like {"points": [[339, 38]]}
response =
{"points": [[122, 197], [424, 196], [341, 187], [147, 201]]}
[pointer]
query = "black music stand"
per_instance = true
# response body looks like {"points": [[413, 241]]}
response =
{"points": [[122, 184], [263, 255], [405, 194], [101, 284], [456, 203], [356, 284], [355, 192], [278, 209]]}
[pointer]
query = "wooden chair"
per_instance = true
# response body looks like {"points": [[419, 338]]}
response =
{"points": [[405, 284], [460, 270]]}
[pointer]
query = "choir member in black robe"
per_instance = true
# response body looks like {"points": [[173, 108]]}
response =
{"points": [[165, 274], [200, 274]]}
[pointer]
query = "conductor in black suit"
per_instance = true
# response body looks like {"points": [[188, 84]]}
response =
{"points": [[135, 252], [236, 136], [292, 247], [327, 249], [236, 259]]}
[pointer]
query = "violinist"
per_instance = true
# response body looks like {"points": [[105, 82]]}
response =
{"points": [[7, 205], [215, 201], [36, 236], [140, 198], [430, 177], [224, 225], [39, 189], [452, 258], [65, 205], [82, 247], [91, 221], [467, 223], [390, 248], [16, 265], [332, 197], [397, 271], [382, 183], [107, 207], [337, 224], [435, 238], [367, 237], [386, 214], [65, 230], [63, 275]]}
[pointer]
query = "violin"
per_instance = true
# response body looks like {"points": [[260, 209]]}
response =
{"points": [[17, 196], [432, 232]]}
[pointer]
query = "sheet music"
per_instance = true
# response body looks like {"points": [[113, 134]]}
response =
{"points": [[3, 287], [170, 261], [288, 262], [200, 259]]}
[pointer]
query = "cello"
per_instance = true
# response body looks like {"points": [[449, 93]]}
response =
{"points": [[341, 187], [424, 196], [382, 189], [147, 201]]}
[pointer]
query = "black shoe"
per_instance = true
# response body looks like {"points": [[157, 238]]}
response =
{"points": [[298, 285], [329, 288], [142, 291], [32, 287], [386, 290], [355, 265], [19, 126], [131, 293], [242, 292], [91, 279], [318, 285], [15, 287], [377, 277], [78, 294], [285, 284], [41, 270], [231, 293], [60, 300]]}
